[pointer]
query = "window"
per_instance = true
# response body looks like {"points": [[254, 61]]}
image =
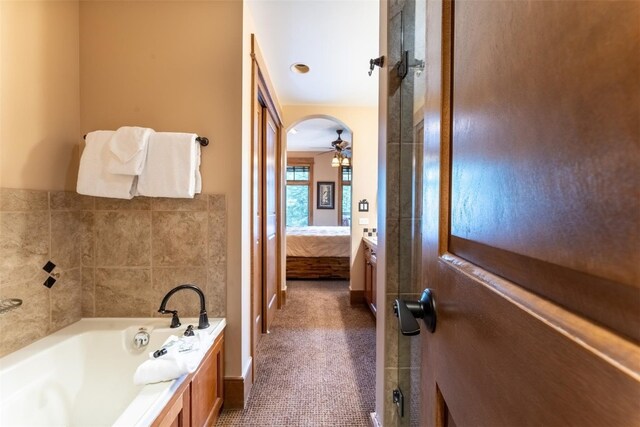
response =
{"points": [[345, 195], [298, 192], [298, 173]]}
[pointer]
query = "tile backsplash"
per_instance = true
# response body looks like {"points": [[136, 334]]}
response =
{"points": [[114, 258]]}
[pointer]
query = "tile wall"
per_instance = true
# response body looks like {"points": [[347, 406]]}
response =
{"points": [[114, 258], [404, 168]]}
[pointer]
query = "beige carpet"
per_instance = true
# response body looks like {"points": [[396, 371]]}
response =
{"points": [[317, 366]]}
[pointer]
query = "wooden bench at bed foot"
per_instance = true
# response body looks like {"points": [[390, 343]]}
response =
{"points": [[313, 268]]}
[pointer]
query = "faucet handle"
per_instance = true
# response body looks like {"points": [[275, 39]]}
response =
{"points": [[175, 320], [203, 321]]}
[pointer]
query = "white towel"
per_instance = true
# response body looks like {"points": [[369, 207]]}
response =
{"points": [[183, 357], [93, 177], [173, 161], [198, 175], [129, 147]]}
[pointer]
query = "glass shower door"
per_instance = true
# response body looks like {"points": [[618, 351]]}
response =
{"points": [[408, 47]]}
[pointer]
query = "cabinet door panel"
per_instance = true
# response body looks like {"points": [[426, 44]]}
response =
{"points": [[205, 398]]}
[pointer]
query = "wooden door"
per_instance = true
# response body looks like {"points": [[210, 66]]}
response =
{"points": [[270, 225], [532, 214], [257, 240]]}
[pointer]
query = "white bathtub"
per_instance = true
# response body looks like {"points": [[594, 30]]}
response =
{"points": [[82, 375]]}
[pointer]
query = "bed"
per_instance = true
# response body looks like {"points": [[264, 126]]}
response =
{"points": [[318, 252]]}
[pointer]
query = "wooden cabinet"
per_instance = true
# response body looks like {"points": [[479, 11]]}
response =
{"points": [[370, 267], [207, 388], [177, 411], [198, 400]]}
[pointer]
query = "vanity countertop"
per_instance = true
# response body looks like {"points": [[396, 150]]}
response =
{"points": [[371, 241]]}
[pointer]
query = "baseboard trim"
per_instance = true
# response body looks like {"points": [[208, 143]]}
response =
{"points": [[237, 389], [356, 297], [283, 297]]}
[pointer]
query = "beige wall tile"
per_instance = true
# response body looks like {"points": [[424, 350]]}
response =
{"points": [[198, 203], [217, 237], [409, 382], [88, 292], [69, 201], [179, 238], [123, 292], [91, 240], [66, 299], [135, 204], [185, 301], [391, 416], [66, 238], [390, 334], [392, 251], [217, 290], [24, 245], [123, 239], [23, 200], [27, 323], [217, 203], [393, 181], [87, 239]]}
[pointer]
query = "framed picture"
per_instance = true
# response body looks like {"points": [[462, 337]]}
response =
{"points": [[326, 195]]}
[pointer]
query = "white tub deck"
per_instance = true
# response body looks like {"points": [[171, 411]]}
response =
{"points": [[82, 375]]}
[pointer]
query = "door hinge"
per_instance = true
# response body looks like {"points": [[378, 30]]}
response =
{"points": [[398, 399]]}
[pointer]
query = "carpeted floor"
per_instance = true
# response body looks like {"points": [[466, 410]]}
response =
{"points": [[317, 365]]}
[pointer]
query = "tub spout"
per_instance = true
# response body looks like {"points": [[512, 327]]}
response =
{"points": [[203, 322]]}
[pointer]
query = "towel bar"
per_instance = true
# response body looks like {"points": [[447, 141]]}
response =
{"points": [[203, 140]]}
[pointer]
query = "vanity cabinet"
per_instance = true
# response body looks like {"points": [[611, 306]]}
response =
{"points": [[370, 269], [198, 400]]}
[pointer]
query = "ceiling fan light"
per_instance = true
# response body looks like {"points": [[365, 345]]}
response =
{"points": [[345, 161], [335, 162]]}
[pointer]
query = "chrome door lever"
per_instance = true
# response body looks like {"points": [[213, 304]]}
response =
{"points": [[408, 311]]}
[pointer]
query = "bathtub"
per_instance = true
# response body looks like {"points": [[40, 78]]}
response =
{"points": [[82, 375]]}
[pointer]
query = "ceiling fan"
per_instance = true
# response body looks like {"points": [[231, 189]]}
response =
{"points": [[340, 145], [342, 151]]}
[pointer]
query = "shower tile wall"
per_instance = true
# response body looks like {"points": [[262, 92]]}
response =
{"points": [[37, 226], [404, 210], [116, 258]]}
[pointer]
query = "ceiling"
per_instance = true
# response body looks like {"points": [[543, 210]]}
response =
{"points": [[335, 38], [315, 135]]}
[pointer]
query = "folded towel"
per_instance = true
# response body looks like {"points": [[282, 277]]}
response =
{"points": [[198, 175], [129, 147], [93, 177], [183, 357], [172, 165]]}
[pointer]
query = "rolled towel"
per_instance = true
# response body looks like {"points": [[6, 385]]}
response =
{"points": [[172, 165], [93, 177], [129, 148], [155, 371], [183, 357]]}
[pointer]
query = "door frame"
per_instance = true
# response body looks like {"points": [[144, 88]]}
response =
{"points": [[263, 96]]}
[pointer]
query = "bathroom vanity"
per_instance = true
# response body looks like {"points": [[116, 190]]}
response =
{"points": [[370, 270], [198, 400]]}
